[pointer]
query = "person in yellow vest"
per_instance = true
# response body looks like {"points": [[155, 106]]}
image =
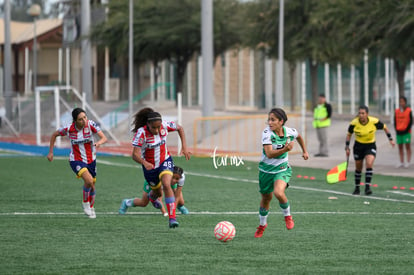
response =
{"points": [[403, 121], [321, 121]]}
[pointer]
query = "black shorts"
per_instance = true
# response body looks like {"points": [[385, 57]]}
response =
{"points": [[363, 149]]}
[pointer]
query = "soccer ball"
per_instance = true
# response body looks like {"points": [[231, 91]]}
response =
{"points": [[224, 231]]}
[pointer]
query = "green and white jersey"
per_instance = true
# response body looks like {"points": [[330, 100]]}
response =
{"points": [[280, 163]]}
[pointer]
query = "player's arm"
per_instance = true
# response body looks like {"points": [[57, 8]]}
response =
{"points": [[274, 153], [184, 150], [102, 139], [380, 125], [178, 192], [329, 110], [136, 156], [301, 142], [348, 138], [388, 133], [347, 142], [52, 144]]}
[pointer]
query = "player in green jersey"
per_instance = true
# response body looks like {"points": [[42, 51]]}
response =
{"points": [[177, 183], [274, 169]]}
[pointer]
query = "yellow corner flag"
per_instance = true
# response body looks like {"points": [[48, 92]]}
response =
{"points": [[338, 173]]}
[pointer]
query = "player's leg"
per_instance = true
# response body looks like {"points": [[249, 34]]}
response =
{"points": [[141, 202], [92, 194], [263, 214], [401, 155], [281, 183], [358, 173], [179, 199], [279, 192], [162, 209], [87, 188], [408, 149], [358, 157], [359, 154], [166, 177], [324, 141], [266, 191], [152, 178], [320, 138], [134, 202], [81, 170], [369, 162], [408, 152]]}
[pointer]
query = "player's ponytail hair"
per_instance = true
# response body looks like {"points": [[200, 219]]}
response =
{"points": [[76, 112], [144, 116], [280, 114]]}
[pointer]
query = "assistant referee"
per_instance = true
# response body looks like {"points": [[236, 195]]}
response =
{"points": [[364, 127]]}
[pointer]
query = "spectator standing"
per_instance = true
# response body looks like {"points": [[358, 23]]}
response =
{"points": [[321, 121], [403, 120]]}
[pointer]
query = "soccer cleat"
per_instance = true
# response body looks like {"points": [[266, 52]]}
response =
{"points": [[155, 202], [93, 214], [289, 222], [183, 210], [260, 230], [124, 207], [407, 165], [368, 190], [356, 191], [86, 208], [173, 223]]}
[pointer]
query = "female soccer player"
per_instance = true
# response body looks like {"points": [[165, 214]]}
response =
{"points": [[364, 127], [150, 150], [274, 169], [177, 183], [82, 158]]}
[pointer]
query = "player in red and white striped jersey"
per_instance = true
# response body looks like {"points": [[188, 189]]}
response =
{"points": [[150, 150], [82, 158]]}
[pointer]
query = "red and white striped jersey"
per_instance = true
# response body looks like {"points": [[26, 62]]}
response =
{"points": [[154, 147], [81, 141]]}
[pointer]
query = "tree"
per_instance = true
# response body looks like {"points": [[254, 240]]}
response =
{"points": [[392, 35], [303, 39], [167, 30], [19, 9], [383, 27]]}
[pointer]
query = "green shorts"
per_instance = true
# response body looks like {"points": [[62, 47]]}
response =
{"points": [[404, 139], [267, 181], [147, 187]]}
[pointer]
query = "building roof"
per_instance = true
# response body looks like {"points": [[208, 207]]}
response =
{"points": [[21, 32]]}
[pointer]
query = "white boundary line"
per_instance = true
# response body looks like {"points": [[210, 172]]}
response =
{"points": [[201, 213], [292, 187], [401, 193]]}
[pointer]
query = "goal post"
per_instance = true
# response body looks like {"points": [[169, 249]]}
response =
{"points": [[57, 113]]}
